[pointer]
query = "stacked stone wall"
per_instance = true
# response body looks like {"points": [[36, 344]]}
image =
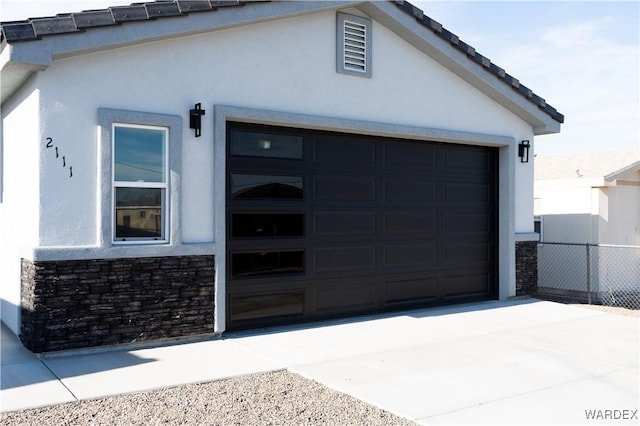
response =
{"points": [[85, 303], [526, 268]]}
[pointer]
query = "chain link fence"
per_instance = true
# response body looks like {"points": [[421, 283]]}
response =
{"points": [[590, 273]]}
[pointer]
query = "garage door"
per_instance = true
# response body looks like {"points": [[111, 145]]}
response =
{"points": [[322, 224]]}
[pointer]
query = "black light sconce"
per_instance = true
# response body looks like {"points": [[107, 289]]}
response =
{"points": [[195, 119], [523, 151]]}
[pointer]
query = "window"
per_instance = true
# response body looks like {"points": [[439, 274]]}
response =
{"points": [[140, 177], [266, 186], [267, 263], [139, 182], [267, 145], [244, 307], [267, 225], [353, 45]]}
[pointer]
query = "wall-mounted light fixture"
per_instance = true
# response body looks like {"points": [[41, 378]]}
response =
{"points": [[195, 119], [523, 151]]}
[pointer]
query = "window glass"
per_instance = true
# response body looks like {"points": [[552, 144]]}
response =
{"points": [[140, 182], [265, 305], [139, 154], [252, 144], [265, 186], [139, 213], [267, 263], [267, 225]]}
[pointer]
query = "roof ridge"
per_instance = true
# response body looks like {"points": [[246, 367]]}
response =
{"points": [[75, 22]]}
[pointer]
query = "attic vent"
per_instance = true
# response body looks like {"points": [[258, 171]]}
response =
{"points": [[354, 45]]}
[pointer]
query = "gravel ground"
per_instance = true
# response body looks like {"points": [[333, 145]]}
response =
{"points": [[612, 309], [280, 398]]}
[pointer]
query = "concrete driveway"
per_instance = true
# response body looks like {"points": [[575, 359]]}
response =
{"points": [[514, 362]]}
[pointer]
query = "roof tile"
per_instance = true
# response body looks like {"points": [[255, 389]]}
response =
{"points": [[95, 18], [188, 6], [417, 13], [434, 25], [18, 31], [231, 3], [162, 9], [129, 13], [57, 25]]}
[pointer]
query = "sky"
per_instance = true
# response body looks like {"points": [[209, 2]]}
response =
{"points": [[582, 57]]}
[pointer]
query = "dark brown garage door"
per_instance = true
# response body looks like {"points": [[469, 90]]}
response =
{"points": [[325, 224]]}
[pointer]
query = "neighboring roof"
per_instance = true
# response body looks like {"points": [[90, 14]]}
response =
{"points": [[477, 68], [609, 166]]}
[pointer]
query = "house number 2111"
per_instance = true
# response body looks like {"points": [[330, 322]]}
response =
{"points": [[64, 158]]}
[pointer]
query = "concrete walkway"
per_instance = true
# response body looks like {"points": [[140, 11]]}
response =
{"points": [[515, 362]]}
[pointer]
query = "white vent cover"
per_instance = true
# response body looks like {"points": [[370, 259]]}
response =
{"points": [[354, 45]]}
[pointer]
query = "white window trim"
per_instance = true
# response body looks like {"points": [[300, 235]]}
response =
{"points": [[165, 203], [107, 118], [340, 44]]}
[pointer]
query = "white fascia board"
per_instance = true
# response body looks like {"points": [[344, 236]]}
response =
{"points": [[37, 55], [425, 40]]}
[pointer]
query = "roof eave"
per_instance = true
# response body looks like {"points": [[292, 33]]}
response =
{"points": [[513, 96], [16, 68]]}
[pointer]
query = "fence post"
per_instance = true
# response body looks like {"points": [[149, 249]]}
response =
{"points": [[588, 274]]}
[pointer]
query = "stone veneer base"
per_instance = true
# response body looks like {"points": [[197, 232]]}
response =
{"points": [[526, 267], [74, 304]]}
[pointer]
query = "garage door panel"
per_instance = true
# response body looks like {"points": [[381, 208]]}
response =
{"points": [[466, 222], [344, 259], [411, 290], [346, 297], [467, 284], [347, 188], [420, 157], [464, 253], [410, 189], [413, 223], [471, 159], [466, 192], [343, 223], [410, 256], [341, 152]]}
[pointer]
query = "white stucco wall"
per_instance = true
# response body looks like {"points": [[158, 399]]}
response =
{"points": [[19, 209], [623, 224], [284, 66], [244, 67]]}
